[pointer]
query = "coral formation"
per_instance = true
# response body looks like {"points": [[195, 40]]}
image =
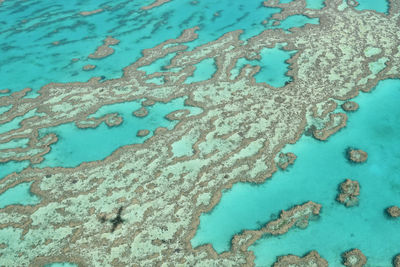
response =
{"points": [[142, 133], [104, 50], [336, 122], [156, 3], [354, 258], [297, 216], [349, 192], [393, 211], [396, 261], [142, 112], [286, 159], [89, 67], [312, 259], [357, 155], [159, 192], [88, 13], [349, 106]]}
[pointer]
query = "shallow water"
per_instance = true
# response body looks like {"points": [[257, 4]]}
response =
{"points": [[159, 65], [273, 66], [76, 145], [12, 166], [31, 27], [316, 174], [19, 194], [315, 4], [204, 71], [15, 143], [294, 21], [377, 5], [4, 109]]}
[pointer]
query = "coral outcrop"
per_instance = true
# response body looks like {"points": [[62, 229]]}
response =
{"points": [[312, 259], [336, 122], [396, 261], [89, 67], [142, 112], [296, 216], [285, 159], [104, 50], [354, 258], [349, 106], [357, 155], [349, 192], [142, 133], [393, 211]]}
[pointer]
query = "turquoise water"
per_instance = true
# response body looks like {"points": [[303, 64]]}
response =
{"points": [[77, 145], [159, 65], [15, 123], [204, 71], [315, 4], [12, 166], [273, 66], [19, 194], [31, 27], [377, 5], [28, 44], [15, 143], [375, 128], [4, 109], [293, 21]]}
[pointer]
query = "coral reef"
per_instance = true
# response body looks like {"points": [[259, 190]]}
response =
{"points": [[349, 192], [105, 50], [336, 122], [296, 216], [312, 259], [156, 3], [160, 193], [354, 258], [285, 159], [142, 133], [88, 13], [357, 155], [89, 67], [349, 106], [396, 261], [393, 211], [142, 112]]}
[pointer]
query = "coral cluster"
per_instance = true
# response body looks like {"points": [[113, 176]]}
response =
{"points": [[349, 192]]}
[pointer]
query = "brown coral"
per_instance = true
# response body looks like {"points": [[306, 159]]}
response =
{"points": [[396, 261], [89, 67], [286, 159], [311, 259], [354, 258], [349, 106], [349, 192], [142, 133], [357, 155], [393, 211]]}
